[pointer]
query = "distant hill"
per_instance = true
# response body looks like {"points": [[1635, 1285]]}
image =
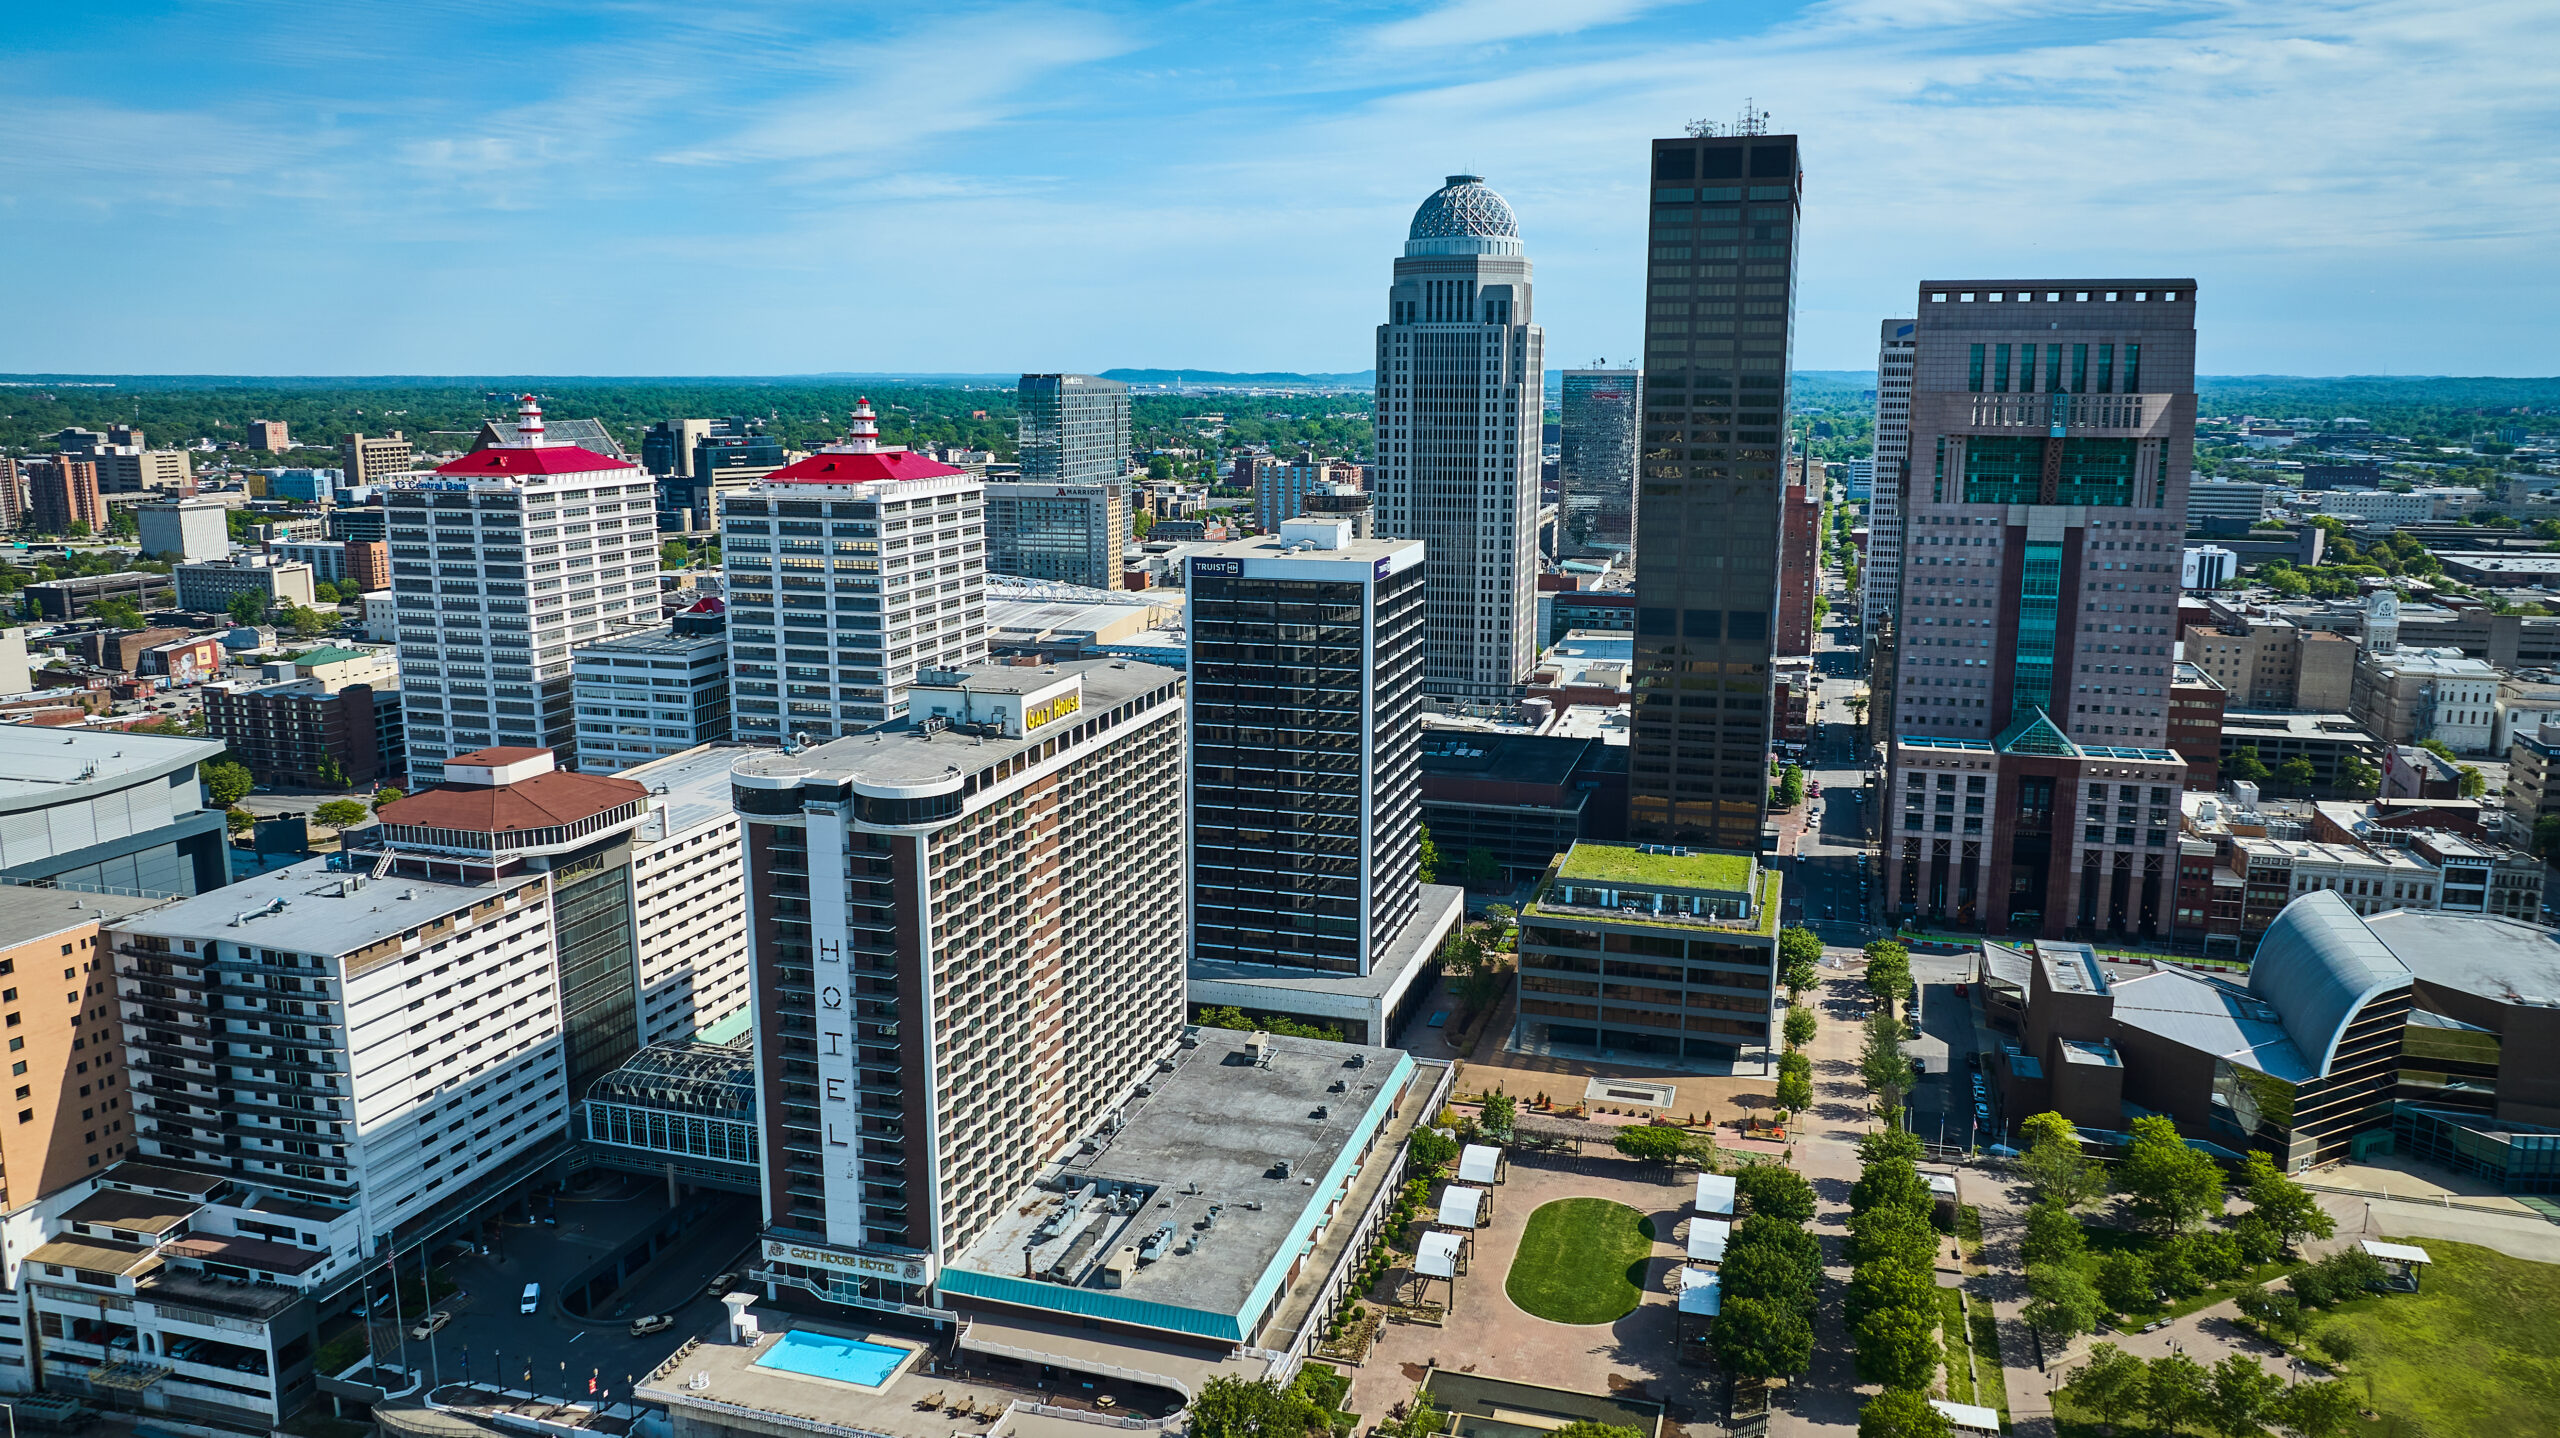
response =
{"points": [[1358, 379]]}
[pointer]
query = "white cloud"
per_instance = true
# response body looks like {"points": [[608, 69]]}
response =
{"points": [[1487, 22]]}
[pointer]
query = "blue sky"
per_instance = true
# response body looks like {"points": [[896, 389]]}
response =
{"points": [[637, 187]]}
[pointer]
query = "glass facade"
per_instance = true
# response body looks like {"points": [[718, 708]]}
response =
{"points": [[599, 969], [1075, 428], [1720, 305], [1306, 758], [2039, 610], [1596, 463]]}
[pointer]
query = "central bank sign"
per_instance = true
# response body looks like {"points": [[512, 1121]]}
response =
{"points": [[917, 1271]]}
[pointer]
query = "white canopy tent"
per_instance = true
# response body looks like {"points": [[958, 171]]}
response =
{"points": [[1480, 1163], [1707, 1238], [1438, 1255], [1701, 1291], [1715, 1193], [1459, 1206]]}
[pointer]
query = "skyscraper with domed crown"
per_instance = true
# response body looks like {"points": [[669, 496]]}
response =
{"points": [[1461, 384]]}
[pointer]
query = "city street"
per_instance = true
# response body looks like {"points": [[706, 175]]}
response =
{"points": [[490, 1338], [1829, 883]]}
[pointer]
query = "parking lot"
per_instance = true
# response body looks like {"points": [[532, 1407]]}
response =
{"points": [[489, 1337]]}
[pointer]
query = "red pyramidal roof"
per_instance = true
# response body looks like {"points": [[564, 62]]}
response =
{"points": [[543, 459], [836, 466]]}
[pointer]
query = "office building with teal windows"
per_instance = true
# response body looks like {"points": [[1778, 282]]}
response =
{"points": [[2052, 429]]}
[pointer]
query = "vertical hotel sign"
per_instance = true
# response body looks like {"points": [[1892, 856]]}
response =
{"points": [[832, 1009]]}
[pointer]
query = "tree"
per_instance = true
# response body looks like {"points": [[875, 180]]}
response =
{"points": [[2060, 1302], [1648, 1143], [1254, 1408], [2287, 1206], [1431, 1149], [1763, 1337], [1790, 787], [2546, 836], [238, 821], [2358, 777], [2275, 1312], [339, 813], [2124, 1280], [246, 608], [2297, 772], [1881, 1063], [2167, 1183], [1898, 1345], [2439, 748], [2469, 782], [1891, 1183], [307, 622], [1501, 1114], [117, 613], [1799, 1026], [2054, 1235], [2241, 1397], [2109, 1384], [1775, 1191], [1800, 975], [674, 555], [1880, 1144], [226, 783], [1430, 854], [2318, 1410], [386, 795], [1889, 970], [2054, 1163], [2246, 766], [1901, 1413], [1799, 944], [2173, 1390], [1484, 870], [1795, 1092]]}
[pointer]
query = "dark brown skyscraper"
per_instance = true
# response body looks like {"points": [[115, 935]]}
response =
{"points": [[1719, 305]]}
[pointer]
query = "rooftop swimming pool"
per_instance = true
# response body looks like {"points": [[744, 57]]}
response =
{"points": [[826, 1355]]}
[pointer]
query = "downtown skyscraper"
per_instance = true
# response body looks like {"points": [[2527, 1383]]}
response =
{"points": [[1719, 307], [2033, 789], [1461, 391], [1596, 463]]}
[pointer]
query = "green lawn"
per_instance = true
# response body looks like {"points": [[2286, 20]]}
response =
{"points": [[1581, 1260], [1951, 1326], [2476, 1351]]}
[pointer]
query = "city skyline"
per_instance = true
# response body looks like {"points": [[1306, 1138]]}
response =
{"points": [[795, 168]]}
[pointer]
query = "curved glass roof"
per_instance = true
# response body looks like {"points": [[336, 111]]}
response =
{"points": [[2317, 966], [711, 1080]]}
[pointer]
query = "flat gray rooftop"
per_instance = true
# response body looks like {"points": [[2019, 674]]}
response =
{"points": [[903, 753], [2506, 960], [2211, 1017], [1208, 1177], [314, 918], [696, 781], [661, 643], [40, 765], [30, 913]]}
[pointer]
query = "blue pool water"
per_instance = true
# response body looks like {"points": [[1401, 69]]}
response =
{"points": [[824, 1355]]}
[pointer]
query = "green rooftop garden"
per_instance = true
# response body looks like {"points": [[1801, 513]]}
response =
{"points": [[1630, 866]]}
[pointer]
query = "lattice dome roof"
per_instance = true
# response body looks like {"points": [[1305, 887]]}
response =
{"points": [[1465, 206]]}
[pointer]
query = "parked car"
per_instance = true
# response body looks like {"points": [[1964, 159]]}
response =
{"points": [[720, 1283], [430, 1324], [532, 1298], [654, 1323]]}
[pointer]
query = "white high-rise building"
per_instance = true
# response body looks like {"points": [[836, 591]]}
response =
{"points": [[1461, 391], [1880, 581], [499, 562], [873, 562]]}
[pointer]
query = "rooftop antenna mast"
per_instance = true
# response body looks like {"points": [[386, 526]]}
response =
{"points": [[1753, 121]]}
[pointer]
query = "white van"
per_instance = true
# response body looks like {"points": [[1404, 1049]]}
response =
{"points": [[532, 1298]]}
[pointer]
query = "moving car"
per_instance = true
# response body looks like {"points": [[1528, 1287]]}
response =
{"points": [[654, 1323], [429, 1324], [532, 1298], [719, 1284]]}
